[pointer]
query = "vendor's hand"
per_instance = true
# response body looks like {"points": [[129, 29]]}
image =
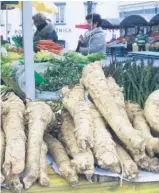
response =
{"points": [[80, 39]]}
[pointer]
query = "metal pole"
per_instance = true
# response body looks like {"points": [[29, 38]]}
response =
{"points": [[6, 22], [28, 49]]}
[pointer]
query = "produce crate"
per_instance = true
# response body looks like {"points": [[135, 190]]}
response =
{"points": [[120, 52]]}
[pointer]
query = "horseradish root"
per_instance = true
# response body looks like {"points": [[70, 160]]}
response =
{"points": [[104, 148], [43, 177], [151, 110], [39, 117], [94, 80], [129, 166], [139, 123], [62, 160], [13, 125], [74, 102], [83, 161]]}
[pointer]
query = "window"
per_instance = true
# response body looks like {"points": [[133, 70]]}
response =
{"points": [[60, 16], [94, 4]]}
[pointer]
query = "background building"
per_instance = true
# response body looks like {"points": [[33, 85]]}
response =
{"points": [[70, 14], [148, 8], [74, 12]]}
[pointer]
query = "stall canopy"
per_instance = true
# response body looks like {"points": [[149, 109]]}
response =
{"points": [[48, 7], [155, 20], [81, 26], [134, 20], [110, 23]]}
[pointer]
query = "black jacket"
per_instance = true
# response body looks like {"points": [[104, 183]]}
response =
{"points": [[46, 32]]}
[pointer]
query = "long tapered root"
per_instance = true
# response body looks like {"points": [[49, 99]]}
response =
{"points": [[75, 103], [104, 147], [14, 184], [94, 80], [43, 177], [39, 116], [62, 160], [13, 125], [1, 178], [139, 123], [151, 110], [83, 161], [2, 141], [129, 166]]}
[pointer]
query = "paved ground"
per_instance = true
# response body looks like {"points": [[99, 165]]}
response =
{"points": [[109, 58]]}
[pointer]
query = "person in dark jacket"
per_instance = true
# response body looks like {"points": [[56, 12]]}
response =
{"points": [[45, 29], [94, 39], [141, 41]]}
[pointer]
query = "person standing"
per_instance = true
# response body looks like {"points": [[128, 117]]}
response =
{"points": [[44, 28], [94, 39], [141, 41]]}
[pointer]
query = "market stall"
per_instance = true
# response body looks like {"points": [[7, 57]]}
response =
{"points": [[154, 38], [131, 26], [82, 117], [58, 140], [28, 39]]}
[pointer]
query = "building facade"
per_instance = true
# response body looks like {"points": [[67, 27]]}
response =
{"points": [[70, 14], [147, 8]]}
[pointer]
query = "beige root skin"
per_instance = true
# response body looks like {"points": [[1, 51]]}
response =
{"points": [[151, 110], [104, 147], [83, 161], [143, 161], [2, 141], [14, 184], [140, 124], [153, 164], [62, 160], [39, 117], [13, 125], [74, 102], [94, 80], [129, 166], [138, 120], [149, 164], [43, 177]]}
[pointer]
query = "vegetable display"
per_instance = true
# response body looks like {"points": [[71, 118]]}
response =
{"points": [[43, 56], [62, 72], [50, 46], [137, 78], [66, 70], [109, 131]]}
